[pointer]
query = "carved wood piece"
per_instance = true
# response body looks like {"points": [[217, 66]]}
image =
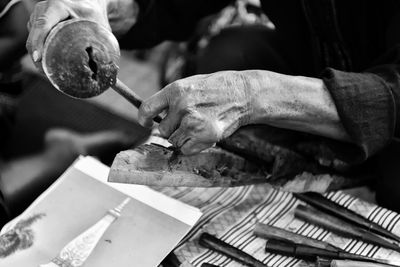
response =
{"points": [[154, 165], [159, 166]]}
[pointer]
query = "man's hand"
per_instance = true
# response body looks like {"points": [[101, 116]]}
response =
{"points": [[47, 14], [202, 109]]}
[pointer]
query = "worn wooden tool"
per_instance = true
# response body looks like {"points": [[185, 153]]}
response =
{"points": [[215, 244], [307, 247], [270, 232], [80, 59], [324, 204], [347, 263], [310, 253], [340, 227]]}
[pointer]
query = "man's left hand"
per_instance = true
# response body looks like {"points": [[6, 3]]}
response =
{"points": [[202, 109]]}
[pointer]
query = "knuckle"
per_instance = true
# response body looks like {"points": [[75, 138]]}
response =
{"points": [[182, 105], [145, 109], [40, 22], [39, 9], [179, 88], [195, 120], [40, 6], [39, 17]]}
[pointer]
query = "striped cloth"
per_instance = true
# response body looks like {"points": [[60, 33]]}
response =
{"points": [[231, 214]]}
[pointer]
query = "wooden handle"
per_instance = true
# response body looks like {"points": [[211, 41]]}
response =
{"points": [[346, 263], [324, 204], [213, 243], [131, 96], [271, 232], [340, 227], [326, 221]]}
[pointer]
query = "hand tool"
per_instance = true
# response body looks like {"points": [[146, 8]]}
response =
{"points": [[80, 59], [340, 227], [309, 253], [270, 232], [324, 204], [347, 263], [215, 244]]}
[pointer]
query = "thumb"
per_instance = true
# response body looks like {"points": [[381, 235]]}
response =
{"points": [[192, 147]]}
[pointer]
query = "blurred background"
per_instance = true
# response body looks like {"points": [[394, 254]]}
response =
{"points": [[42, 131]]}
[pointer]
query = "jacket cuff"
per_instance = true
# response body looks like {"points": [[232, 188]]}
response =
{"points": [[366, 107]]}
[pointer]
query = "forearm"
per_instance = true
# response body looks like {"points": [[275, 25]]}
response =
{"points": [[295, 102]]}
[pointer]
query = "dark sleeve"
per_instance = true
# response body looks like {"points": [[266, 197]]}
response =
{"points": [[161, 20], [368, 104]]}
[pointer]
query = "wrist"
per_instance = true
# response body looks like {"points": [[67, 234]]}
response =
{"points": [[280, 98], [245, 84], [258, 86]]}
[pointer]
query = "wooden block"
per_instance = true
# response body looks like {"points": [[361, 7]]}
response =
{"points": [[154, 165], [159, 166]]}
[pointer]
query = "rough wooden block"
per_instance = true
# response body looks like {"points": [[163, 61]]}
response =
{"points": [[160, 166], [154, 165]]}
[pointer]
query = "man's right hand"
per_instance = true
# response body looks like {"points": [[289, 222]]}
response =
{"points": [[49, 13]]}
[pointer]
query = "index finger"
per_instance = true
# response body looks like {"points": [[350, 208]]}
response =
{"points": [[153, 106], [45, 16]]}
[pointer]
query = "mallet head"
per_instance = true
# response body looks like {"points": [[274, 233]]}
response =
{"points": [[80, 58]]}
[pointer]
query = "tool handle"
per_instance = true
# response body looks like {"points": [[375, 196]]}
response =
{"points": [[322, 203], [131, 96], [328, 222], [213, 243], [270, 232], [304, 252], [340, 227], [348, 263]]}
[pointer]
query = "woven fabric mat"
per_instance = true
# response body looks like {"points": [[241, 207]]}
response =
{"points": [[231, 214]]}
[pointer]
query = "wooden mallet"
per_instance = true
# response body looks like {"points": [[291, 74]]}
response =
{"points": [[80, 59]]}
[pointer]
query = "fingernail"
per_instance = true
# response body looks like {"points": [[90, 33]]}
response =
{"points": [[35, 56]]}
